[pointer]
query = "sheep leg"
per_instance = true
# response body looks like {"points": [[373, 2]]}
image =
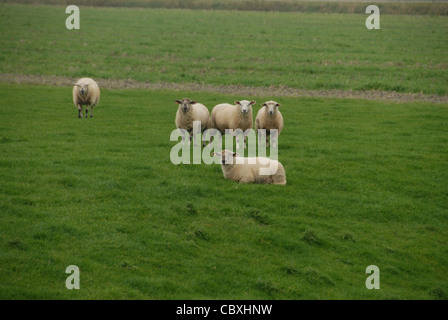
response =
{"points": [[91, 111], [203, 142], [87, 110], [194, 139], [79, 111], [184, 137], [267, 141], [246, 180]]}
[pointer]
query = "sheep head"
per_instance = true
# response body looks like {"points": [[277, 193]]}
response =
{"points": [[185, 104], [83, 89], [271, 107], [244, 106], [227, 156]]}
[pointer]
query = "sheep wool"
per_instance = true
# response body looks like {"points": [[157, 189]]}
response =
{"points": [[188, 112], [268, 118], [226, 116], [86, 93], [248, 170]]}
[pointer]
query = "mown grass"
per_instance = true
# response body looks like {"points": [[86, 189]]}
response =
{"points": [[386, 7], [307, 51], [366, 185]]}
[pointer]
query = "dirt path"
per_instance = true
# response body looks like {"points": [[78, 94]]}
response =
{"points": [[238, 90]]}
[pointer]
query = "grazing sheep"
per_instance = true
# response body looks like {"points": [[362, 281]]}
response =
{"points": [[250, 169], [189, 111], [269, 117], [226, 116], [86, 92]]}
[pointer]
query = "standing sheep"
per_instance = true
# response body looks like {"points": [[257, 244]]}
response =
{"points": [[189, 111], [249, 170], [239, 116], [269, 117], [86, 92]]}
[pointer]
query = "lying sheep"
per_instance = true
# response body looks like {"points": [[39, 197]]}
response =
{"points": [[86, 92], [269, 117], [226, 116], [189, 111], [251, 170]]}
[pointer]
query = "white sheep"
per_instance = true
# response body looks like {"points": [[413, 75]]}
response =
{"points": [[86, 92], [226, 116], [189, 111], [251, 169], [269, 117]]}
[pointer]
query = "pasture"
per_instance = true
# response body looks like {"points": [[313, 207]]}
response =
{"points": [[366, 179], [308, 51]]}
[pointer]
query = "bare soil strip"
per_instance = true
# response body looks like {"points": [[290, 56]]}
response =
{"points": [[236, 90]]}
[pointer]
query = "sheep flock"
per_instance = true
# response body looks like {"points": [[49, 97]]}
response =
{"points": [[223, 117], [235, 116]]}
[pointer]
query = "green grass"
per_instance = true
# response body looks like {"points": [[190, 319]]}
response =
{"points": [[366, 180], [366, 185], [333, 6], [307, 51]]}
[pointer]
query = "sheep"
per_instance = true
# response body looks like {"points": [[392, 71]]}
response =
{"points": [[226, 116], [269, 117], [189, 111], [86, 92], [252, 169]]}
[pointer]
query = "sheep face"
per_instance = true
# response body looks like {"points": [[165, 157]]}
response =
{"points": [[271, 107], [83, 89], [185, 104], [227, 156], [244, 106]]}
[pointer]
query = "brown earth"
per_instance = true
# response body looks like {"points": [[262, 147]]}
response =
{"points": [[237, 90]]}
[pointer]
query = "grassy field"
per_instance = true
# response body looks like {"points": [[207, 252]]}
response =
{"points": [[308, 51], [424, 7], [366, 185], [367, 180]]}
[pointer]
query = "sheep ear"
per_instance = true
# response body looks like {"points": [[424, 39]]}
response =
{"points": [[193, 102], [278, 105], [253, 102], [263, 104], [178, 101], [235, 154], [236, 102]]}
